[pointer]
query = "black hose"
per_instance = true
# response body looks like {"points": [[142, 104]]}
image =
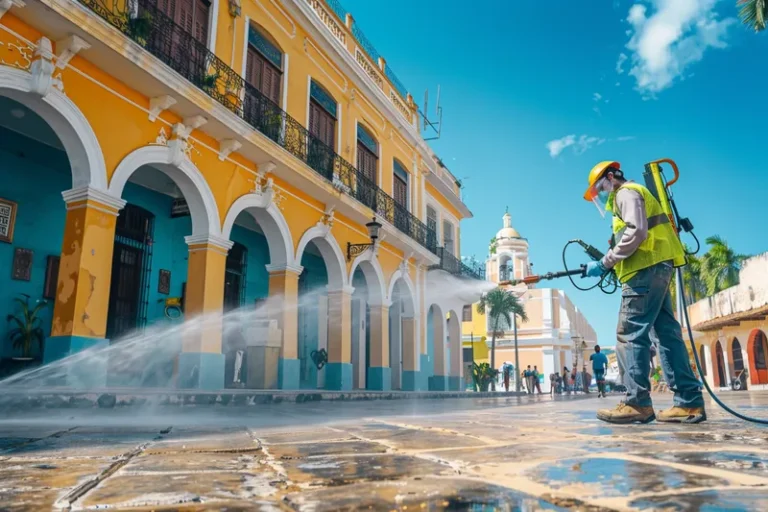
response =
{"points": [[744, 417], [607, 280]]}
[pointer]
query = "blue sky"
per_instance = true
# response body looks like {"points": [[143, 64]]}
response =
{"points": [[533, 99]]}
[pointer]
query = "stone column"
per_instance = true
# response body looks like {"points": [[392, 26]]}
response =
{"points": [[338, 374], [396, 345], [411, 356], [85, 271], [456, 367], [379, 373], [201, 363], [439, 381], [283, 307]]}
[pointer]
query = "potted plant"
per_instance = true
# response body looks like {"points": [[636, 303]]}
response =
{"points": [[209, 81], [483, 375], [27, 328], [140, 27]]}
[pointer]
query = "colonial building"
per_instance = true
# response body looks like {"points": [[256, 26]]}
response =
{"points": [[556, 334], [223, 153], [730, 329]]}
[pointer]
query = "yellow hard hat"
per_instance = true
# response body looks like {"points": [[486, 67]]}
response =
{"points": [[595, 174]]}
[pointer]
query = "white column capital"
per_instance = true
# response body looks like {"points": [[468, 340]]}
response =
{"points": [[347, 290], [76, 197], [218, 242], [275, 269], [5, 5]]}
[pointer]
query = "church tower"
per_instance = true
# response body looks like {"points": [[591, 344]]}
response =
{"points": [[509, 254]]}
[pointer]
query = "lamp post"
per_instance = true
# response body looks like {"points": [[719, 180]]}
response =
{"points": [[354, 250]]}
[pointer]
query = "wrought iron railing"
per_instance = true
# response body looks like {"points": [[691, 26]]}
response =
{"points": [[142, 21], [506, 273], [455, 266]]}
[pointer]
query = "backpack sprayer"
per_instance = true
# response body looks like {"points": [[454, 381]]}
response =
{"points": [[656, 184]]}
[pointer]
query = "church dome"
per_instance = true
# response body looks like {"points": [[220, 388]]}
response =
{"points": [[507, 231]]}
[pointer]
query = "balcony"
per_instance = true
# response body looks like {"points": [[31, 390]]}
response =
{"points": [[145, 24], [453, 265]]}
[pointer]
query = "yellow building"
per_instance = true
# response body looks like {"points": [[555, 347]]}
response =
{"points": [[730, 329], [556, 335], [223, 153]]}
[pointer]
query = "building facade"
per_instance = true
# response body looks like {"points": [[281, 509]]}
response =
{"points": [[730, 330], [556, 335], [225, 156]]}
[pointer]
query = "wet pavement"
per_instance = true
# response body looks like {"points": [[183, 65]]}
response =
{"points": [[456, 454]]}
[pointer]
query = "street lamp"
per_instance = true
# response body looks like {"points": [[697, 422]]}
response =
{"points": [[357, 249]]}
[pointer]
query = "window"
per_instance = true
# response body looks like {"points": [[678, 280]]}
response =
{"points": [[466, 314], [431, 226], [400, 185], [264, 65], [322, 127], [367, 154], [191, 15], [234, 277], [760, 351], [448, 237]]}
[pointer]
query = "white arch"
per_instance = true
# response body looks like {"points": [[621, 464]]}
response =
{"points": [[197, 193], [438, 338], [271, 221], [410, 295], [454, 334], [86, 159], [330, 251], [374, 277]]}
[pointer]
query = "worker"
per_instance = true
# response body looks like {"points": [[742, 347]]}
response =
{"points": [[644, 252]]}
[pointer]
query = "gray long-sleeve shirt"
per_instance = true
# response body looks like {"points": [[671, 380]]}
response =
{"points": [[630, 206]]}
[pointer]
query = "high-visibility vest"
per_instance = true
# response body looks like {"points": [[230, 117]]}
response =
{"points": [[661, 244]]}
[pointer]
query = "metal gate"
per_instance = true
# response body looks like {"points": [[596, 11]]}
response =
{"points": [[234, 277], [131, 267]]}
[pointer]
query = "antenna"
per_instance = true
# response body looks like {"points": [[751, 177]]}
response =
{"points": [[437, 125]]}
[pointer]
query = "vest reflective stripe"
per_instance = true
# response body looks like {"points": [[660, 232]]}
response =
{"points": [[661, 244]]}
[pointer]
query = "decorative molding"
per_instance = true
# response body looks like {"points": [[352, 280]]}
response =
{"points": [[274, 269], [76, 197], [328, 20], [401, 107], [5, 5], [227, 147], [307, 43], [21, 52], [345, 289], [370, 108], [193, 123], [327, 217], [161, 139], [158, 104], [215, 241], [42, 69], [291, 33], [68, 48], [370, 70]]}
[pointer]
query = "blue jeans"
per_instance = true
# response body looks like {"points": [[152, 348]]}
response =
{"points": [[647, 305]]}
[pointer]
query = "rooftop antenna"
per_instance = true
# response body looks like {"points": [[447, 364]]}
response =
{"points": [[437, 125]]}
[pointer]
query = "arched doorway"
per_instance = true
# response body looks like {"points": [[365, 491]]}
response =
{"points": [[703, 361], [454, 352], [403, 349], [757, 348], [322, 275], [370, 359], [737, 359], [720, 380]]}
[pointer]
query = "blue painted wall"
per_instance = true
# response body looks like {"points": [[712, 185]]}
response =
{"points": [[257, 277], [312, 283], [40, 219]]}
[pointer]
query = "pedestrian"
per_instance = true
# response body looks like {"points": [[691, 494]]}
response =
{"points": [[566, 386], [527, 376], [586, 378], [536, 379], [558, 384], [599, 366], [524, 379], [552, 384], [645, 251], [507, 371]]}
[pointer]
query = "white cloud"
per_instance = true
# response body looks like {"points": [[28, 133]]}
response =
{"points": [[597, 111], [580, 144], [597, 96], [620, 63], [557, 146], [667, 40]]}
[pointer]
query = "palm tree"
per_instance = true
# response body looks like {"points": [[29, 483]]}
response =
{"points": [[695, 287], [500, 305], [753, 13], [720, 265]]}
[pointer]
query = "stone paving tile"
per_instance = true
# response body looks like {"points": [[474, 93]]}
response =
{"points": [[317, 435], [302, 451], [345, 470], [741, 500], [78, 445], [597, 477], [411, 439], [740, 462], [739, 436], [423, 494], [190, 462], [495, 455], [195, 441], [35, 484], [123, 491]]}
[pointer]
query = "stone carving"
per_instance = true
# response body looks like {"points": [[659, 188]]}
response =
{"points": [[16, 54], [327, 18], [42, 69], [369, 68]]}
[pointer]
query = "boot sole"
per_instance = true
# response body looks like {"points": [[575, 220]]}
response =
{"points": [[688, 420], [627, 421]]}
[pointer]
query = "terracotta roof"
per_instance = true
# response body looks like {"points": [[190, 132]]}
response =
{"points": [[733, 319]]}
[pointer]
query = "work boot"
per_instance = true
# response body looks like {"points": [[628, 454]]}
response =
{"points": [[679, 414], [627, 413]]}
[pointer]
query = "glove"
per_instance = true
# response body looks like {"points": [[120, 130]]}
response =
{"points": [[595, 269]]}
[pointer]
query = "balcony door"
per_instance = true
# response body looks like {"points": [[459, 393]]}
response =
{"points": [[322, 127], [191, 15], [264, 73]]}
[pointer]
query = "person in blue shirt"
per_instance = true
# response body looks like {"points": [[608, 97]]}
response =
{"points": [[599, 366]]}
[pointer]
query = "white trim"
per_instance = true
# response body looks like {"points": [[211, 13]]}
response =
{"points": [[270, 219], [213, 25], [191, 182], [285, 82], [309, 101], [296, 269], [245, 45], [5, 5], [335, 262], [213, 240], [87, 193], [86, 159], [374, 277]]}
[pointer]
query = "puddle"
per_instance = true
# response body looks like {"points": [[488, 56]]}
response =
{"points": [[708, 501], [732, 461], [615, 477]]}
